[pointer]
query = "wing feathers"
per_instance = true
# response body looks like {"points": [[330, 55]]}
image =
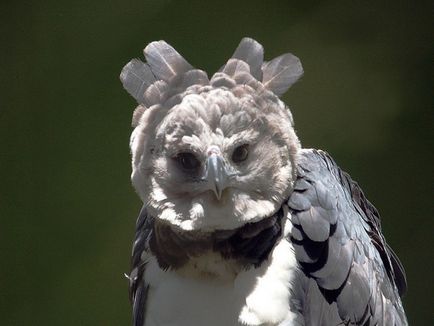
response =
{"points": [[139, 305], [351, 264], [138, 288]]}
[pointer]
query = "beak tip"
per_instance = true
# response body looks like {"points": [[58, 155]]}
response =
{"points": [[218, 193], [216, 174]]}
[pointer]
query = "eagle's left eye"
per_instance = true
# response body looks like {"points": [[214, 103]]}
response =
{"points": [[187, 160], [240, 153]]}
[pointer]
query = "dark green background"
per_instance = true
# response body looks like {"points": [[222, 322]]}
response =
{"points": [[67, 208]]}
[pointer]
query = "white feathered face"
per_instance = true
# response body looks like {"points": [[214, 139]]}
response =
{"points": [[217, 160]]}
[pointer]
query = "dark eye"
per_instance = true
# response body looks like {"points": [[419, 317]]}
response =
{"points": [[240, 153], [187, 160]]}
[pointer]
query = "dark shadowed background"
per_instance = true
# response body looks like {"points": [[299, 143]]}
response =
{"points": [[67, 208]]}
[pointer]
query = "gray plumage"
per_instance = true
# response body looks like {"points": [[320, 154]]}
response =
{"points": [[348, 272], [252, 53], [144, 80], [136, 77], [237, 216], [281, 72], [235, 66], [164, 61], [154, 94]]}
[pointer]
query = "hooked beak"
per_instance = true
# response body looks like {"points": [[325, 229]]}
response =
{"points": [[217, 174]]}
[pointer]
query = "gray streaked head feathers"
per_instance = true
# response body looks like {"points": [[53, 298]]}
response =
{"points": [[182, 111], [167, 74]]}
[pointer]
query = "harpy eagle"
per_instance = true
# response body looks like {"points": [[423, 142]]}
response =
{"points": [[241, 225]]}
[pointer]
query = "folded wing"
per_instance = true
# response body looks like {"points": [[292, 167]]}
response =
{"points": [[349, 273]]}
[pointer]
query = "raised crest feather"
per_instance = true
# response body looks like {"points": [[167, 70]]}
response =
{"points": [[281, 73], [165, 61], [192, 77], [136, 77], [235, 66], [166, 74], [154, 94], [252, 53]]}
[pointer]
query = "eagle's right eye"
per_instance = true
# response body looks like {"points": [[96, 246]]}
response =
{"points": [[187, 161]]}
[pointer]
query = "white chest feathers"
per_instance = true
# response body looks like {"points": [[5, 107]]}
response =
{"points": [[226, 296]]}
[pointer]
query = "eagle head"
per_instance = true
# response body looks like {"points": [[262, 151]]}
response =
{"points": [[212, 154]]}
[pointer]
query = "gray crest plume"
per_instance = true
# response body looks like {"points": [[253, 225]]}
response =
{"points": [[166, 75]]}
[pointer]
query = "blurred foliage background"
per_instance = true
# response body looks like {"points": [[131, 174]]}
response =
{"points": [[67, 208]]}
